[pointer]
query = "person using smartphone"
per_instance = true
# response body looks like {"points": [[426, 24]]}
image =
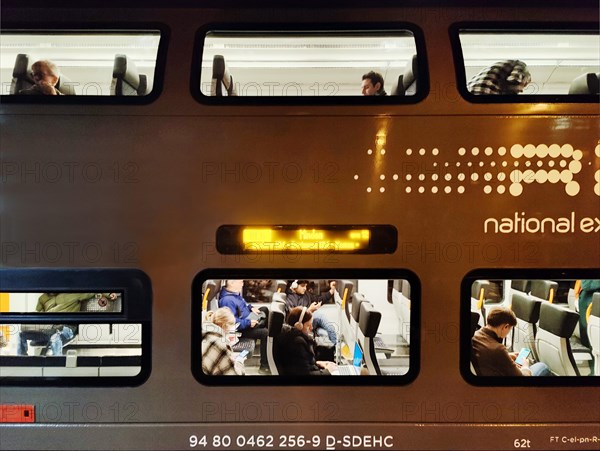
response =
{"points": [[491, 358], [299, 296], [217, 356]]}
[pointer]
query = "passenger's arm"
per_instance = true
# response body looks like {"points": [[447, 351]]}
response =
{"points": [[67, 298], [505, 364], [525, 371], [244, 323]]}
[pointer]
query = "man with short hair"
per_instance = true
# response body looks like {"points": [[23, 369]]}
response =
{"points": [[372, 84], [491, 358], [45, 76]]}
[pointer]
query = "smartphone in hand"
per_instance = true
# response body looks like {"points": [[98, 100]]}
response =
{"points": [[242, 355], [523, 354]]}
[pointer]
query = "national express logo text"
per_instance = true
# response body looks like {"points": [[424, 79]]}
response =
{"points": [[521, 223]]}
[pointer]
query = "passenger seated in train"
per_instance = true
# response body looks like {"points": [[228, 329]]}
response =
{"points": [[45, 76], [299, 296], [585, 293], [252, 321], [54, 337], [503, 78], [218, 332], [372, 84], [491, 358], [295, 347], [70, 302]]}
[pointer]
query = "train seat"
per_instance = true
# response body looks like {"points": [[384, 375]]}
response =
{"points": [[593, 329], [585, 84], [22, 78], [479, 291], [475, 318], [280, 298], [357, 300], [221, 78], [401, 303], [276, 321], [210, 295], [527, 311], [126, 79], [369, 323], [544, 290], [345, 289], [555, 328], [408, 81], [520, 285]]}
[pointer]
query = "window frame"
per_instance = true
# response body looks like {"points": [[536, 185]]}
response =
{"points": [[136, 289], [305, 273], [289, 28], [96, 28], [515, 27], [465, 326]]}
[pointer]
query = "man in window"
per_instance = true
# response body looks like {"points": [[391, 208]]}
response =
{"points": [[45, 77], [491, 358], [372, 84]]}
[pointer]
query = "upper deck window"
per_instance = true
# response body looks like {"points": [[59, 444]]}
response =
{"points": [[310, 65], [37, 64], [529, 65]]}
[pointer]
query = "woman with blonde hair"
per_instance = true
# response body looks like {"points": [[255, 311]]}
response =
{"points": [[217, 355]]}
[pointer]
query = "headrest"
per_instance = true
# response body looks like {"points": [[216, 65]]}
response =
{"points": [[279, 297], [209, 285], [557, 321], [221, 78], [525, 308], [357, 300], [521, 285], [477, 286], [341, 286], [369, 320], [280, 286], [276, 318], [410, 73], [595, 305], [585, 84], [541, 288], [124, 69], [406, 79], [21, 69]]}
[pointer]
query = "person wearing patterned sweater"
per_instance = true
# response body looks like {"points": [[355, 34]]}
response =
{"points": [[503, 78], [217, 355]]}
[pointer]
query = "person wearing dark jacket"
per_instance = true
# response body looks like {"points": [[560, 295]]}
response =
{"points": [[247, 317], [299, 296], [295, 353], [585, 294]]}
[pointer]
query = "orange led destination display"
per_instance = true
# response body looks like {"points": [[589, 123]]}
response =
{"points": [[359, 239]]}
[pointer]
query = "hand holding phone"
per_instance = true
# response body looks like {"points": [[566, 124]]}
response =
{"points": [[520, 360], [242, 355]]}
